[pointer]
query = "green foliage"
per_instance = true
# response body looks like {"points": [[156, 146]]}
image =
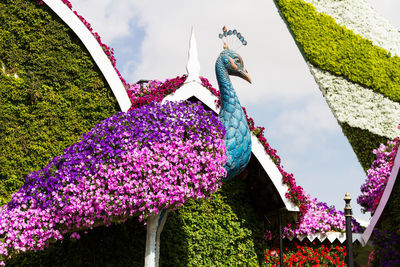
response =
{"points": [[339, 50], [221, 231], [58, 95], [363, 142]]}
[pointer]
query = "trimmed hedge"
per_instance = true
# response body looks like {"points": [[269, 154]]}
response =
{"points": [[363, 142], [337, 49], [58, 95], [222, 231]]}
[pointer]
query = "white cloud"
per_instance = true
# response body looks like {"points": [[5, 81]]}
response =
{"points": [[302, 125], [103, 18]]}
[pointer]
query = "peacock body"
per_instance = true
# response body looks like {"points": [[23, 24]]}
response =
{"points": [[238, 137]]}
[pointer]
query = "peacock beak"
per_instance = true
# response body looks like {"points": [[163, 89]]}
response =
{"points": [[245, 75]]}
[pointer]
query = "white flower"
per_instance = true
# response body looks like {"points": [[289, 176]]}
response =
{"points": [[358, 106]]}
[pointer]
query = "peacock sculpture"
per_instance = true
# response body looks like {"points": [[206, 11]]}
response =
{"points": [[238, 137]]}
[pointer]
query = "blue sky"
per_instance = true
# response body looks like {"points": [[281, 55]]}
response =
{"points": [[151, 39]]}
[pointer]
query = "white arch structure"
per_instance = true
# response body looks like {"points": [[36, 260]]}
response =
{"points": [[95, 50]]}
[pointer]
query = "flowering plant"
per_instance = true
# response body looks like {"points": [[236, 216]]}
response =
{"points": [[145, 93], [307, 254], [378, 175], [318, 217], [134, 163]]}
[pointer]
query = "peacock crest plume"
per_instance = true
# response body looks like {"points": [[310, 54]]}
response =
{"points": [[228, 37], [238, 137]]}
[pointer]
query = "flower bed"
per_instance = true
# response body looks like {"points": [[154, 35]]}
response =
{"points": [[318, 217], [367, 118], [307, 254], [153, 91], [134, 163]]}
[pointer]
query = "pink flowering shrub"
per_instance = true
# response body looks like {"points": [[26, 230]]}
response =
{"points": [[131, 164], [378, 175], [318, 217], [153, 91]]}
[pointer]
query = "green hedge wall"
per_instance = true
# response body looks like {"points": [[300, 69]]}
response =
{"points": [[58, 95], [222, 231], [339, 50], [363, 142]]}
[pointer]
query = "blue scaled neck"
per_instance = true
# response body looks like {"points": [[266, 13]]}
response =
{"points": [[238, 137], [225, 86]]}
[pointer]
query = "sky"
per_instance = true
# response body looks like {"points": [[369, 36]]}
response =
{"points": [[151, 38]]}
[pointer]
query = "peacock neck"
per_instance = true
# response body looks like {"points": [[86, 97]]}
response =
{"points": [[238, 137], [228, 94]]}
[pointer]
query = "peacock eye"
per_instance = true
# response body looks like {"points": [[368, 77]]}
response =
{"points": [[238, 62]]}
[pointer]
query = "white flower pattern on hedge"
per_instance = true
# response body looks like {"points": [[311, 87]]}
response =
{"points": [[362, 19], [358, 106]]}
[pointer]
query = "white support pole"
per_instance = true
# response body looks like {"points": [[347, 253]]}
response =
{"points": [[161, 223], [151, 247], [155, 225]]}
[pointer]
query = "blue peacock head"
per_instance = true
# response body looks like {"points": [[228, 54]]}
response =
{"points": [[233, 63], [230, 59]]}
